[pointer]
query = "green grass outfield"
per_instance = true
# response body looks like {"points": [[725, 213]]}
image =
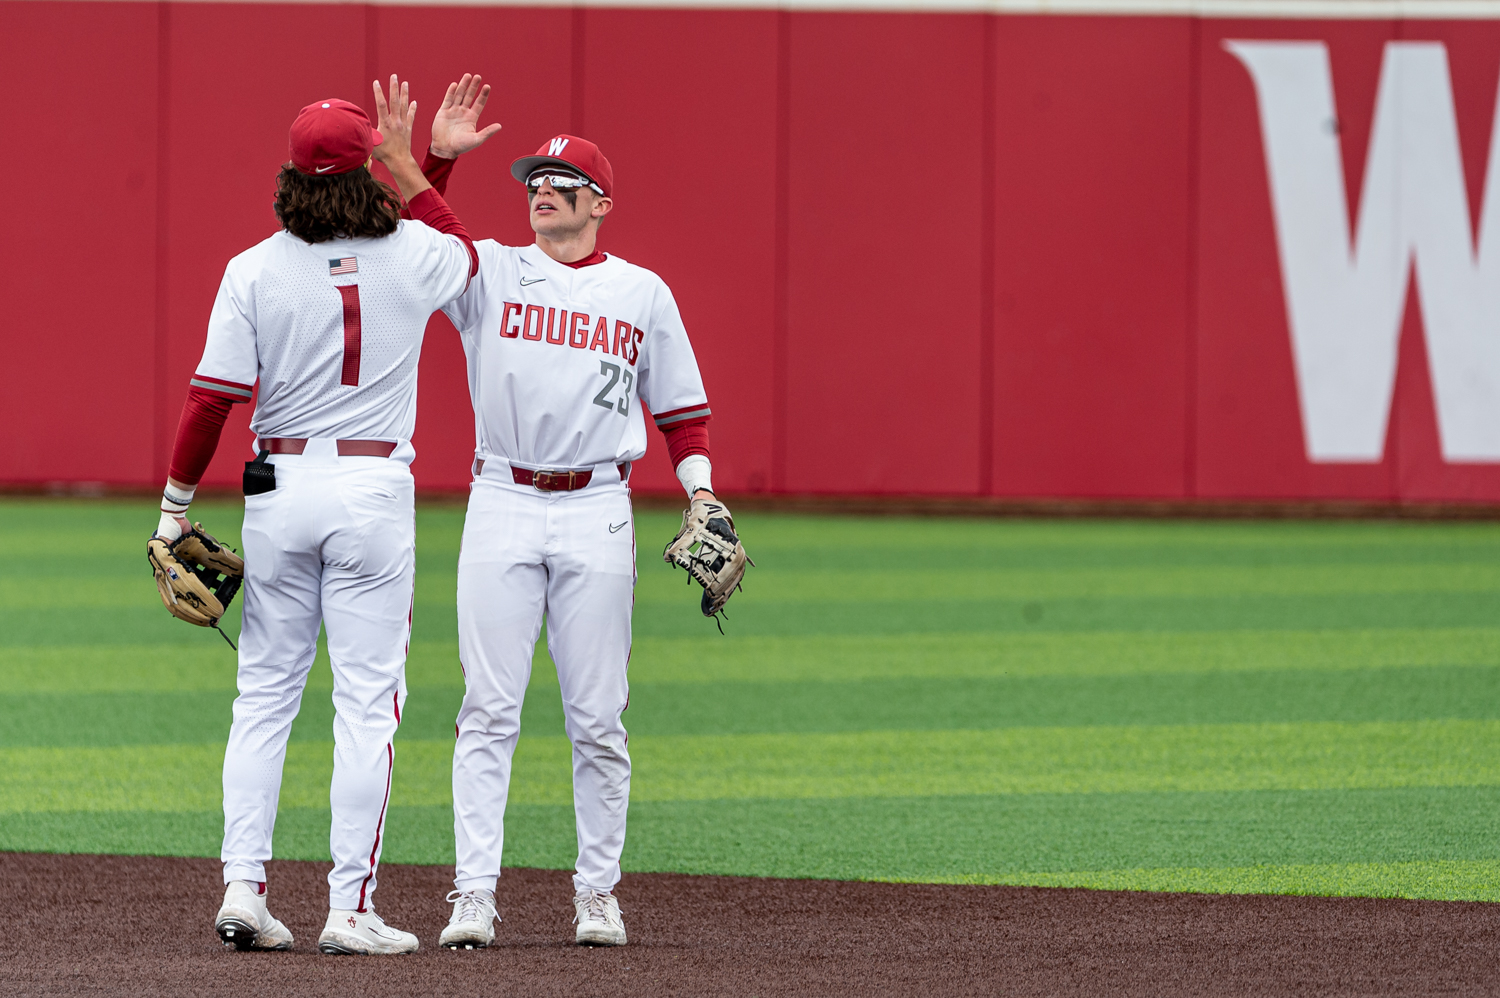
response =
{"points": [[1231, 706]]}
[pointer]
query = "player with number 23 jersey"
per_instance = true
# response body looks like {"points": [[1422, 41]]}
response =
{"points": [[560, 355], [564, 344]]}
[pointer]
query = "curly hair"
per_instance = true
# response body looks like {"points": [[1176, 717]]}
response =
{"points": [[351, 205]]}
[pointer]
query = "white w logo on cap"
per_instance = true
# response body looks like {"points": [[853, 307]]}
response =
{"points": [[557, 146]]}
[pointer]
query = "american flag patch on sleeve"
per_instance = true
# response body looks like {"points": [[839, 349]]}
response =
{"points": [[345, 265]]}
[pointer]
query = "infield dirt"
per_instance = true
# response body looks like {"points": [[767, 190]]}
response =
{"points": [[125, 925]]}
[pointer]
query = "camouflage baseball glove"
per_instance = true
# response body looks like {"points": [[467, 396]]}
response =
{"points": [[708, 549], [196, 575]]}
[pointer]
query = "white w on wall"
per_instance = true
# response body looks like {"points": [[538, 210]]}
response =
{"points": [[1345, 296]]}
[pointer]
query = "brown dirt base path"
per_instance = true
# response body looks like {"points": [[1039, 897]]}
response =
{"points": [[123, 925]]}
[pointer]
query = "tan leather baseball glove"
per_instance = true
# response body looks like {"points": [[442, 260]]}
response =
{"points": [[708, 549], [196, 576]]}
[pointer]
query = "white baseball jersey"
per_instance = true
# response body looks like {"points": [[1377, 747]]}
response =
{"points": [[331, 330], [561, 358]]}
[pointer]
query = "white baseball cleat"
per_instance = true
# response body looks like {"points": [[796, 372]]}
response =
{"points": [[244, 923], [362, 933], [598, 918], [473, 923]]}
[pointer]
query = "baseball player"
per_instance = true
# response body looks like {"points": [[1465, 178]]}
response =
{"points": [[327, 317], [565, 345]]}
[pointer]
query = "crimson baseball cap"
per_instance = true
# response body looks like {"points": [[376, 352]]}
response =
{"points": [[571, 151], [331, 137]]}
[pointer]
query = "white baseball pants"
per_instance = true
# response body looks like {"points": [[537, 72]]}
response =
{"points": [[568, 556], [334, 543]]}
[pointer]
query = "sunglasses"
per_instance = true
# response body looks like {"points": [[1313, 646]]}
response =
{"points": [[559, 182]]}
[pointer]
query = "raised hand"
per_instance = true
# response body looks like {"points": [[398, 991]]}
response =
{"points": [[395, 123], [455, 129]]}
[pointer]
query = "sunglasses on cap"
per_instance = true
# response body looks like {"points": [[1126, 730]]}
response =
{"points": [[559, 182]]}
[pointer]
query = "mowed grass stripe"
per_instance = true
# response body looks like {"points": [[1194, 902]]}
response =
{"points": [[113, 528], [1391, 694], [147, 623], [960, 615], [185, 666], [789, 766], [933, 543], [909, 704], [1195, 581], [1069, 760], [861, 656]]}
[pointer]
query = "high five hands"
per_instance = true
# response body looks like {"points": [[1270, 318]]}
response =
{"points": [[455, 128], [394, 120]]}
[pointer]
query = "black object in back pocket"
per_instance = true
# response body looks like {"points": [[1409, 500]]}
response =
{"points": [[260, 477]]}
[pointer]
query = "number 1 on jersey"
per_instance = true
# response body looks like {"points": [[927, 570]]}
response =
{"points": [[350, 294]]}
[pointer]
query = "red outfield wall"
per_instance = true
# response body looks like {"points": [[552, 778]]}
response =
{"points": [[917, 253]]}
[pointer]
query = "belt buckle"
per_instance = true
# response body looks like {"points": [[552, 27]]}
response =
{"points": [[547, 481]]}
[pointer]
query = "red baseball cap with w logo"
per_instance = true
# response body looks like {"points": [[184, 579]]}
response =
{"points": [[580, 155], [331, 137]]}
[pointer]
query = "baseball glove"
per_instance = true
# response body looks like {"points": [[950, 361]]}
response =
{"points": [[196, 576], [708, 549]]}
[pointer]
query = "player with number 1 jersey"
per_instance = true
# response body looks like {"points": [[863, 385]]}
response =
{"points": [[327, 318]]}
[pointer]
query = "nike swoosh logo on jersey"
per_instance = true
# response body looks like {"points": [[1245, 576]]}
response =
{"points": [[531, 280], [615, 527], [323, 169]]}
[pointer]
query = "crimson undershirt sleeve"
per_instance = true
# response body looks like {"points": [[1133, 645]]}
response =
{"points": [[437, 170], [198, 430], [687, 439]]}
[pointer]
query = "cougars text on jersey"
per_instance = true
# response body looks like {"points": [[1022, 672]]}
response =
{"points": [[578, 330]]}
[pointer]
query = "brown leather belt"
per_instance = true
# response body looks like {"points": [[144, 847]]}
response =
{"points": [[554, 481], [347, 448]]}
